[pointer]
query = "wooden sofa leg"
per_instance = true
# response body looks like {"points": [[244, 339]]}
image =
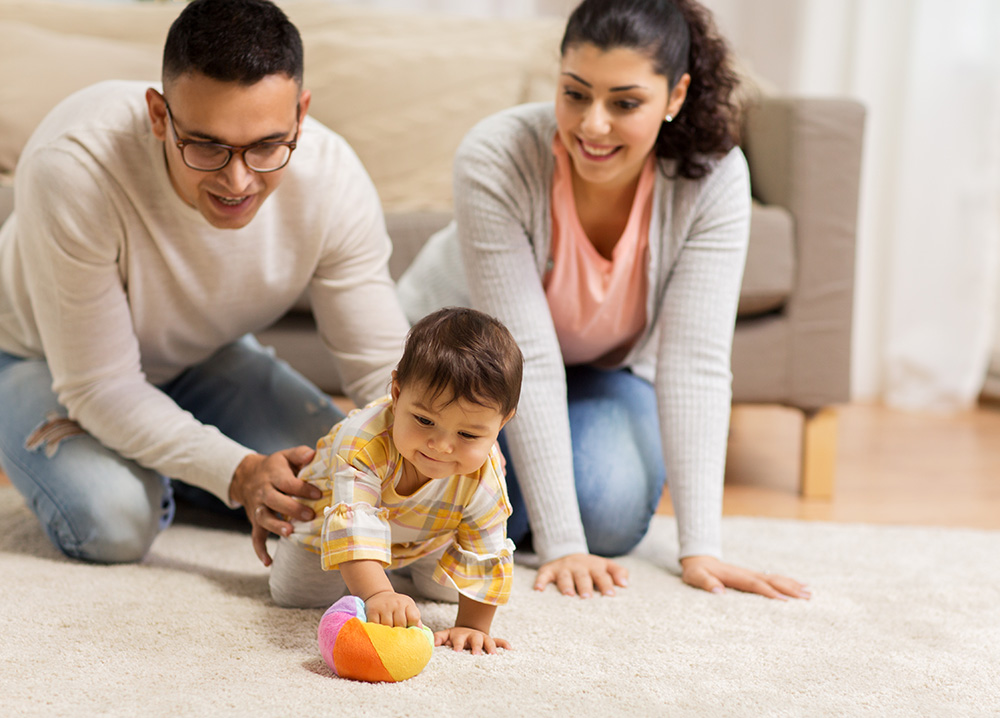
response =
{"points": [[819, 453]]}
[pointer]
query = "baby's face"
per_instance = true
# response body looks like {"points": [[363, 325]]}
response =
{"points": [[440, 439]]}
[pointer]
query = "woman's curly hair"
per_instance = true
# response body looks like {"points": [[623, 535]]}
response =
{"points": [[679, 36]]}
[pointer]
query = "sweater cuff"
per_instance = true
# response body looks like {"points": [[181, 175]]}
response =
{"points": [[699, 548], [552, 551], [218, 476]]}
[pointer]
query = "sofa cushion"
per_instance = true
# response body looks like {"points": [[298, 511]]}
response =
{"points": [[767, 279], [409, 231], [144, 23], [41, 67], [770, 268], [404, 90]]}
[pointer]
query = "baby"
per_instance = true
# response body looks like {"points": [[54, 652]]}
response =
{"points": [[415, 480]]}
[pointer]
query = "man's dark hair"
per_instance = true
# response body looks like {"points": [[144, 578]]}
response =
{"points": [[463, 354], [240, 41]]}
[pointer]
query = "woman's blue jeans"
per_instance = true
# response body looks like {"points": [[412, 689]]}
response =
{"points": [[617, 460], [98, 506]]}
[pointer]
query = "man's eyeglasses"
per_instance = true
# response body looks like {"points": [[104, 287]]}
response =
{"points": [[213, 156]]}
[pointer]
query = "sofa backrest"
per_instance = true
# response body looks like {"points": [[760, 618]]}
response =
{"points": [[402, 89]]}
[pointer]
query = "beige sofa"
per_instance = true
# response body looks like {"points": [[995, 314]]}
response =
{"points": [[404, 89]]}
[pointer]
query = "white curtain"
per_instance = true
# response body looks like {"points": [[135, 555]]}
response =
{"points": [[927, 297], [943, 252]]}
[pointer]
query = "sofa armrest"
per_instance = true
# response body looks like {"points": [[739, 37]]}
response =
{"points": [[805, 155]]}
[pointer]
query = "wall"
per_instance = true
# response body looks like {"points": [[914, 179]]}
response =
{"points": [[928, 264]]}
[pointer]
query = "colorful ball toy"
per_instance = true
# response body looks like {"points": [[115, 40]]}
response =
{"points": [[371, 652]]}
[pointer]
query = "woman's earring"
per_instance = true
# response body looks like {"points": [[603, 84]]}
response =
{"points": [[668, 118]]}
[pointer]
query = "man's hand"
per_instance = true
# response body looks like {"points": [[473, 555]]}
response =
{"points": [[711, 574], [580, 573], [266, 487]]}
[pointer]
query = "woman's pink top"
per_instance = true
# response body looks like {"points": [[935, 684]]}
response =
{"points": [[598, 305]]}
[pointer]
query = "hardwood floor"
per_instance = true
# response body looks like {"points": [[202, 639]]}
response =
{"points": [[892, 467]]}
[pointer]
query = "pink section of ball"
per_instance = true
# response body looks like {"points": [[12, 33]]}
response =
{"points": [[333, 620]]}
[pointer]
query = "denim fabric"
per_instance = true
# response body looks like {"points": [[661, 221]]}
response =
{"points": [[617, 460], [98, 506]]}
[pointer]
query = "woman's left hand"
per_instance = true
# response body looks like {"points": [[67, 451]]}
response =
{"points": [[711, 574]]}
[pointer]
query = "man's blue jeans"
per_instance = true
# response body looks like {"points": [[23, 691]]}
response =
{"points": [[617, 459], [98, 506]]}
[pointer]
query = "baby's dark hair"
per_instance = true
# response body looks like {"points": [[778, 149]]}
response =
{"points": [[466, 354], [240, 41], [678, 36]]}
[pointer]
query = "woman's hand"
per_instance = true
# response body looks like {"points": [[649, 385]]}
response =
{"points": [[580, 573], [711, 574]]}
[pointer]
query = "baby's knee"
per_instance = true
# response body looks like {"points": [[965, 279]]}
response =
{"points": [[284, 594], [426, 586], [289, 594], [297, 578]]}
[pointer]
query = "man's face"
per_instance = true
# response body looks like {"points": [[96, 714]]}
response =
{"points": [[203, 109]]}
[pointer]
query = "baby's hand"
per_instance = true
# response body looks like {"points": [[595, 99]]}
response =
{"points": [[461, 638], [392, 609]]}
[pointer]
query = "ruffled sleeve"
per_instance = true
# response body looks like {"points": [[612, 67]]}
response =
{"points": [[485, 578], [353, 532], [480, 562], [349, 468]]}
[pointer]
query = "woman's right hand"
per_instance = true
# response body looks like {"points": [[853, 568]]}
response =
{"points": [[579, 574]]}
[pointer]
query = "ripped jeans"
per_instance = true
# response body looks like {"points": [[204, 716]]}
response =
{"points": [[96, 505]]}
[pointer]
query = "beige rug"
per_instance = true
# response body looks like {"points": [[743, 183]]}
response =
{"points": [[905, 622]]}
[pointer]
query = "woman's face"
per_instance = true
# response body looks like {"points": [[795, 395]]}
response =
{"points": [[609, 109]]}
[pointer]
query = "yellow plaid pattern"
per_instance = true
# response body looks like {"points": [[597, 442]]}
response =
{"points": [[357, 468]]}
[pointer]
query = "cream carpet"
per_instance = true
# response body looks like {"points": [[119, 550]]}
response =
{"points": [[904, 621]]}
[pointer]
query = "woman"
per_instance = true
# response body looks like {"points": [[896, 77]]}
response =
{"points": [[609, 232]]}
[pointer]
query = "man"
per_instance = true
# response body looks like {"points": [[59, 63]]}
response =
{"points": [[153, 231]]}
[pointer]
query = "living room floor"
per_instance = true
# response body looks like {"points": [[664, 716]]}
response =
{"points": [[893, 467]]}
